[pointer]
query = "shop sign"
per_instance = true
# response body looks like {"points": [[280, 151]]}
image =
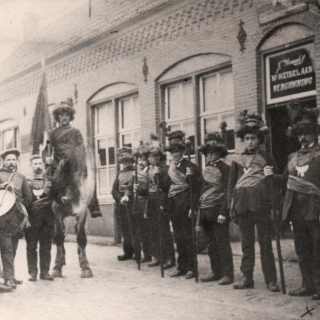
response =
{"points": [[290, 75]]}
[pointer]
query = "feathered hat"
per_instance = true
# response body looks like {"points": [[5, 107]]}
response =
{"points": [[124, 154], [303, 119], [215, 142], [251, 123], [64, 107], [176, 141]]}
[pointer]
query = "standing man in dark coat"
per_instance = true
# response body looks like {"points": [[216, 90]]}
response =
{"points": [[302, 199], [214, 216], [122, 192], [181, 171], [10, 224], [41, 219], [250, 202]]}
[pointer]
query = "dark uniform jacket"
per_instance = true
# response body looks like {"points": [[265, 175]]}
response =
{"points": [[302, 176], [195, 181], [67, 143], [41, 208], [220, 177], [257, 197], [123, 184]]}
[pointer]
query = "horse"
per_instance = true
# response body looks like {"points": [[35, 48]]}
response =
{"points": [[72, 190]]}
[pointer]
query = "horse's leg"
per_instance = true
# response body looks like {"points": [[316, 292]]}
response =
{"points": [[82, 243], [58, 238]]}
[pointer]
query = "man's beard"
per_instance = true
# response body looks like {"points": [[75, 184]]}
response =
{"points": [[38, 171], [12, 167]]}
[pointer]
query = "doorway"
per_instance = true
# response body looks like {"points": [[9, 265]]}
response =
{"points": [[281, 143]]}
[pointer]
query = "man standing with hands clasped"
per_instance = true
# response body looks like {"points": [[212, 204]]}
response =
{"points": [[302, 199]]}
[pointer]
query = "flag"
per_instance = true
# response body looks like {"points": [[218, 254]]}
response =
{"points": [[41, 122]]}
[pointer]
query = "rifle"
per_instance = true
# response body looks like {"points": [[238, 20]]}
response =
{"points": [[194, 236], [137, 212], [157, 178], [277, 233]]}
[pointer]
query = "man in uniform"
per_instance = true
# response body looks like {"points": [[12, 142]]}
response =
{"points": [[41, 219], [181, 173], [159, 170], [250, 202], [122, 192], [9, 227], [302, 199], [214, 216]]}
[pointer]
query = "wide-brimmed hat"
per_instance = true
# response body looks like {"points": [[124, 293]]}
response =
{"points": [[14, 151], [176, 141], [215, 142], [64, 107], [251, 123], [124, 154], [303, 119]]}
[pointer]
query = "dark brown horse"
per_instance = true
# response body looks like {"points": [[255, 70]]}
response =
{"points": [[72, 189]]}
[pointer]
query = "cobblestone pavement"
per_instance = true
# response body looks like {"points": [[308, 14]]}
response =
{"points": [[119, 291]]}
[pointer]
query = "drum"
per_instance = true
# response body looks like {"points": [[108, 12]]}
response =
{"points": [[13, 215]]}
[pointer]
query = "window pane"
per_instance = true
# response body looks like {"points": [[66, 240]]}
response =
{"points": [[101, 145], [188, 128], [102, 178], [126, 114], [230, 140], [111, 151], [174, 104], [101, 113], [210, 93], [187, 100], [8, 139], [226, 91], [211, 125], [127, 140]]}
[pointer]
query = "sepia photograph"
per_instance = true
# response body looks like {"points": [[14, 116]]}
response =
{"points": [[159, 159]]}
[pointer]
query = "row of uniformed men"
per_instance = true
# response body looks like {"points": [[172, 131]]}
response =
{"points": [[243, 192]]}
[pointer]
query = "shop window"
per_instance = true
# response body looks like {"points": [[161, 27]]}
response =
{"points": [[9, 134]]}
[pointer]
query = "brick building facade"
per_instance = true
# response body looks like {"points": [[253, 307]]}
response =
{"points": [[191, 63]]}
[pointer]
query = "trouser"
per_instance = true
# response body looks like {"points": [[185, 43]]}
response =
{"points": [[125, 212], [7, 259], [158, 227], [42, 235], [219, 248], [306, 236], [247, 224], [141, 228], [182, 228]]}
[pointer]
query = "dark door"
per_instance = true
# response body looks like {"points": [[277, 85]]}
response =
{"points": [[281, 143]]}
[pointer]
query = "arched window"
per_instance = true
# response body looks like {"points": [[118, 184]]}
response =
{"points": [[116, 124], [9, 134]]}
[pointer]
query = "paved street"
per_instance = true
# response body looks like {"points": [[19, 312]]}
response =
{"points": [[119, 291]]}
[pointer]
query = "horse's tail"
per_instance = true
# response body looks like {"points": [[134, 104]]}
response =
{"points": [[87, 177]]}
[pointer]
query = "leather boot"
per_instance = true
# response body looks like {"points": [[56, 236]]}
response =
{"points": [[210, 277], [225, 280], [245, 283], [5, 288]]}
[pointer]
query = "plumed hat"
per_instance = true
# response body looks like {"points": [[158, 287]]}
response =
{"points": [[14, 151], [65, 107], [176, 141], [124, 154], [215, 142], [303, 119], [251, 123]]}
